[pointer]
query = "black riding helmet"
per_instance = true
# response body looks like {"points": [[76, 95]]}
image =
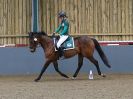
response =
{"points": [[62, 14]]}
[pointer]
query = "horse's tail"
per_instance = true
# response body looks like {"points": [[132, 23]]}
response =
{"points": [[101, 53]]}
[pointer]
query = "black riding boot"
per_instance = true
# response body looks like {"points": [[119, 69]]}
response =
{"points": [[61, 51]]}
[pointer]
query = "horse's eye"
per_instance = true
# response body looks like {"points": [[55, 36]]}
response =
{"points": [[35, 39]]}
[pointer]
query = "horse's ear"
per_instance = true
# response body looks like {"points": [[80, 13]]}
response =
{"points": [[30, 33]]}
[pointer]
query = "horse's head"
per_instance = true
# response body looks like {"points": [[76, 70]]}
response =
{"points": [[35, 39]]}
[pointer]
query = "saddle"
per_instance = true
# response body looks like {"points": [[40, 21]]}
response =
{"points": [[67, 45]]}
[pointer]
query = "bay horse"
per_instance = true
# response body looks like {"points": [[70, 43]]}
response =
{"points": [[84, 47]]}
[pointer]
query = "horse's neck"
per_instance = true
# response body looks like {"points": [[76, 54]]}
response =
{"points": [[45, 42]]}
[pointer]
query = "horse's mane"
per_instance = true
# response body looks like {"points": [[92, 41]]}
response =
{"points": [[42, 33], [76, 37]]}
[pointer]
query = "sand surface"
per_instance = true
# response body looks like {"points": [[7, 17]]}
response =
{"points": [[114, 86]]}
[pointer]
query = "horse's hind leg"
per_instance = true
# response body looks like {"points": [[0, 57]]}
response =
{"points": [[95, 62], [57, 69], [80, 63]]}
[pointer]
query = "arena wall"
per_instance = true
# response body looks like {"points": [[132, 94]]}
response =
{"points": [[15, 61], [15, 21]]}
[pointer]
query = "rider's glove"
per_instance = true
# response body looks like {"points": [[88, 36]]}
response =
{"points": [[53, 35]]}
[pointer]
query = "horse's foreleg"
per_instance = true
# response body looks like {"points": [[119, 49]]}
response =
{"points": [[57, 69], [80, 63], [43, 70]]}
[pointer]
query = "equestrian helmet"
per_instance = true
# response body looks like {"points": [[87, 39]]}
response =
{"points": [[62, 14]]}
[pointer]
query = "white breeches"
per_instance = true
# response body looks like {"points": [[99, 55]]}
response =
{"points": [[61, 40]]}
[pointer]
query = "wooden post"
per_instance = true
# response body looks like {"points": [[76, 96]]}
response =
{"points": [[35, 22]]}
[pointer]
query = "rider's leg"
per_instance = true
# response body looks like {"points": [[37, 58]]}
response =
{"points": [[61, 40]]}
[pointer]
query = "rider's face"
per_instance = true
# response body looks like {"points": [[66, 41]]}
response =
{"points": [[60, 19]]}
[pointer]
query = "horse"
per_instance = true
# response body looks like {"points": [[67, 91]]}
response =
{"points": [[84, 48]]}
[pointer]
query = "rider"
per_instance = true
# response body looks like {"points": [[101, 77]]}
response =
{"points": [[62, 29]]}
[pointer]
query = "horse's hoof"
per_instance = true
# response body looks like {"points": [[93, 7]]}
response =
{"points": [[36, 80], [103, 75], [66, 76], [73, 78]]}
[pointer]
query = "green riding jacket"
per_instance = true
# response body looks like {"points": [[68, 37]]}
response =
{"points": [[63, 28]]}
